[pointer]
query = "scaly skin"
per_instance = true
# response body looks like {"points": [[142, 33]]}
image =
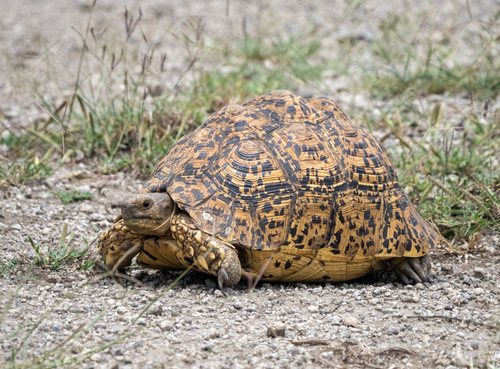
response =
{"points": [[119, 243], [213, 256]]}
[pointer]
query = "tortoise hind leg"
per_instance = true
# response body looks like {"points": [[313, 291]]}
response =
{"points": [[412, 269], [212, 256]]}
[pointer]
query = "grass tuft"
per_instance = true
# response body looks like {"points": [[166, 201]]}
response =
{"points": [[74, 195]]}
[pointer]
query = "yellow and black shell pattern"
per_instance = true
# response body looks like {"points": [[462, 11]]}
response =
{"points": [[292, 174]]}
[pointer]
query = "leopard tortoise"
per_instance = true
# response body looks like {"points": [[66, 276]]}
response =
{"points": [[283, 186]]}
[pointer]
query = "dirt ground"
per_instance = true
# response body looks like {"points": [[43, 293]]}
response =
{"points": [[450, 322]]}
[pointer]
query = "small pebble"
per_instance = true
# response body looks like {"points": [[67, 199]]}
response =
{"points": [[155, 309], [214, 333], [393, 330], [16, 227], [237, 305], [166, 325], [141, 321], [350, 321], [208, 347], [108, 338], [175, 311], [218, 293], [96, 217], [276, 330], [313, 309]]}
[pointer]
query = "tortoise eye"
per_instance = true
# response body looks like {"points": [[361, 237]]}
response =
{"points": [[146, 204]]}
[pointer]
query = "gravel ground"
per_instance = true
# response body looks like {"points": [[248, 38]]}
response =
{"points": [[370, 322], [443, 324]]}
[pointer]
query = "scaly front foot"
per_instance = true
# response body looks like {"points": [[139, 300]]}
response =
{"points": [[119, 245], [212, 256]]}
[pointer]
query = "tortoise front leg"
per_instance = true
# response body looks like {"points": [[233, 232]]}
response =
{"points": [[213, 256], [119, 244]]}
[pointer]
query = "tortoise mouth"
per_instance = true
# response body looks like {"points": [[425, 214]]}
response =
{"points": [[149, 213], [148, 226]]}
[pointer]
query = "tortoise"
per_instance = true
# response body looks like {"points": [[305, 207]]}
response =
{"points": [[283, 186]]}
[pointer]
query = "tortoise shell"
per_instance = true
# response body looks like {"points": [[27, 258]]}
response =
{"points": [[286, 173]]}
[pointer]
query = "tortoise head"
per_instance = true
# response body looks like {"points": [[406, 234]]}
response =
{"points": [[148, 213]]}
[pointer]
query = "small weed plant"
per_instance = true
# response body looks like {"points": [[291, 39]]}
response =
{"points": [[74, 195]]}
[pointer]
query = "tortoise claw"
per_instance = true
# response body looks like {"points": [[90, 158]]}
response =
{"points": [[222, 277], [412, 269]]}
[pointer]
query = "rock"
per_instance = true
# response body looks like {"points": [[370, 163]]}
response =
{"points": [[276, 330], [312, 309], [83, 188], [46, 231], [480, 273], [96, 357], [350, 321], [449, 307], [156, 309], [141, 321], [86, 208], [175, 311], [108, 338], [410, 299], [335, 320], [218, 293], [213, 333], [53, 278], [237, 305], [121, 310], [28, 193], [393, 330], [96, 217], [166, 325], [4, 149], [12, 111], [474, 345], [16, 227], [50, 182], [208, 347], [365, 36], [180, 357], [292, 349]]}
